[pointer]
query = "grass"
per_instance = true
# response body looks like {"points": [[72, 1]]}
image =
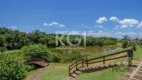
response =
{"points": [[12, 51], [58, 71], [138, 53], [108, 74]]}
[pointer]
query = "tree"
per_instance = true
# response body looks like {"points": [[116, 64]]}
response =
{"points": [[39, 51], [11, 68], [3, 49], [2, 41]]}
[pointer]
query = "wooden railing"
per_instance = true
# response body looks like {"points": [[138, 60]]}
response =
{"points": [[76, 65], [80, 63]]}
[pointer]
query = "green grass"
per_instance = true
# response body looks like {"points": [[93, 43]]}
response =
{"points": [[107, 74], [138, 53], [58, 71], [11, 51]]}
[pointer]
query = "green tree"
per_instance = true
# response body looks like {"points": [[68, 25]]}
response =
{"points": [[11, 68], [37, 51]]}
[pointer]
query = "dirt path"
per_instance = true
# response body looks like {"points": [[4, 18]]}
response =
{"points": [[37, 74], [134, 73]]}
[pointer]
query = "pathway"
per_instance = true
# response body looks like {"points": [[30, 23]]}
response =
{"points": [[37, 74], [134, 73]]}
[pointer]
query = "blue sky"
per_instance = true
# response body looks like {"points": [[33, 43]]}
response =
{"points": [[102, 17]]}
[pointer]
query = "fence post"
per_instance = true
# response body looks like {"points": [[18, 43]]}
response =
{"points": [[69, 72], [76, 65], [103, 60], [87, 61], [130, 57], [82, 63]]}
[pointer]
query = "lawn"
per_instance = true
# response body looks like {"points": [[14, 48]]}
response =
{"points": [[108, 74], [58, 71], [12, 51]]}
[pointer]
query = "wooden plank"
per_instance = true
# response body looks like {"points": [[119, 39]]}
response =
{"points": [[108, 55], [108, 59]]}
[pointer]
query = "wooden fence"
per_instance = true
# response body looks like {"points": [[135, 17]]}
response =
{"points": [[86, 62]]}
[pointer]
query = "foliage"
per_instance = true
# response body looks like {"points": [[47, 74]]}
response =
{"points": [[37, 51], [128, 42], [3, 49], [124, 43], [11, 67], [14, 39], [64, 56], [2, 41]]}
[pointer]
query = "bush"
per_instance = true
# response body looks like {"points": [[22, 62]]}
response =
{"points": [[64, 57], [124, 44], [11, 67], [3, 49], [37, 51]]}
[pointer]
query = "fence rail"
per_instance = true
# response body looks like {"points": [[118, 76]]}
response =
{"points": [[80, 63]]}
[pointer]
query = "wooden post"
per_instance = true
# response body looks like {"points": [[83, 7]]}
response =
{"points": [[130, 57], [87, 61], [69, 72], [103, 60], [76, 65], [82, 63]]}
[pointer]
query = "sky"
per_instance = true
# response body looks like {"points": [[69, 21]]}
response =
{"points": [[98, 17]]}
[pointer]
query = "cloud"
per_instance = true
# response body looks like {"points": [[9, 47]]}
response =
{"points": [[116, 27], [114, 19], [98, 26], [84, 25], [45, 24], [128, 22], [54, 24], [12, 27], [139, 25], [123, 26], [119, 33], [131, 34], [101, 20]]}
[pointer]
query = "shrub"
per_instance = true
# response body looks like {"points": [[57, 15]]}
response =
{"points": [[37, 51], [11, 67], [124, 44], [64, 57], [3, 49]]}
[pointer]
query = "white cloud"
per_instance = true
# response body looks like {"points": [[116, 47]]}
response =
{"points": [[116, 27], [119, 33], [12, 27], [61, 25], [114, 18], [84, 25], [101, 20], [126, 33], [98, 26], [45, 24], [101, 31], [139, 25], [123, 26], [54, 24], [129, 22]]}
